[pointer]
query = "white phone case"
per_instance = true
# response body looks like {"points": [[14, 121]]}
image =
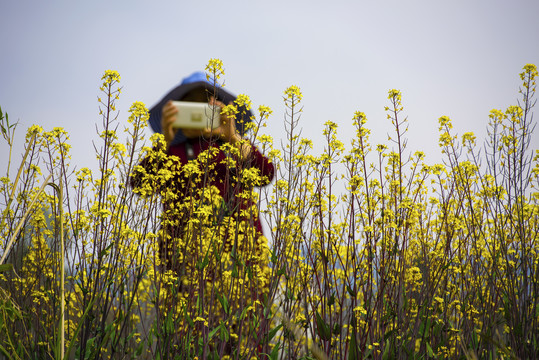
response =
{"points": [[196, 115]]}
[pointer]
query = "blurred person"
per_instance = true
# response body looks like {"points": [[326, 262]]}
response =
{"points": [[235, 242]]}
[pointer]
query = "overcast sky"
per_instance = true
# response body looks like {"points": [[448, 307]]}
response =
{"points": [[459, 58]]}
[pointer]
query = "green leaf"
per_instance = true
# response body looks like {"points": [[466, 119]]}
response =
{"points": [[188, 318], [408, 352], [331, 299], [474, 339], [224, 335], [387, 350], [425, 325], [275, 352], [337, 329], [429, 351], [273, 256], [274, 331], [323, 328], [389, 333], [353, 352], [243, 313], [210, 335], [224, 303], [202, 264], [90, 348], [138, 350], [4, 351], [289, 295], [6, 267]]}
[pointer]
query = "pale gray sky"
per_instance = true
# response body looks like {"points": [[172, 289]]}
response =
{"points": [[459, 58]]}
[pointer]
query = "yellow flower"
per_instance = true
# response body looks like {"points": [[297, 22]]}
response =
{"points": [[138, 110], [360, 118], [445, 139], [530, 70], [468, 137], [265, 111], [243, 100], [229, 110], [395, 94], [293, 93], [110, 76], [214, 69], [381, 147], [361, 310], [445, 121]]}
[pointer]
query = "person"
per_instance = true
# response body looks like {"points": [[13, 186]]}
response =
{"points": [[206, 179]]}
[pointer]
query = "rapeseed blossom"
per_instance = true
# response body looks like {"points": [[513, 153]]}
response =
{"points": [[411, 260]]}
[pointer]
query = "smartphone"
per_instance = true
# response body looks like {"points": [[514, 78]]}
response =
{"points": [[196, 115]]}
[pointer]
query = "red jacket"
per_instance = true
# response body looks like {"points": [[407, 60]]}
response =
{"points": [[221, 176]]}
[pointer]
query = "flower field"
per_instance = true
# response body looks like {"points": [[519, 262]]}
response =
{"points": [[369, 253]]}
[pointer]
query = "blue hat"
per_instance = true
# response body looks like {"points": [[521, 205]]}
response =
{"points": [[195, 81]]}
